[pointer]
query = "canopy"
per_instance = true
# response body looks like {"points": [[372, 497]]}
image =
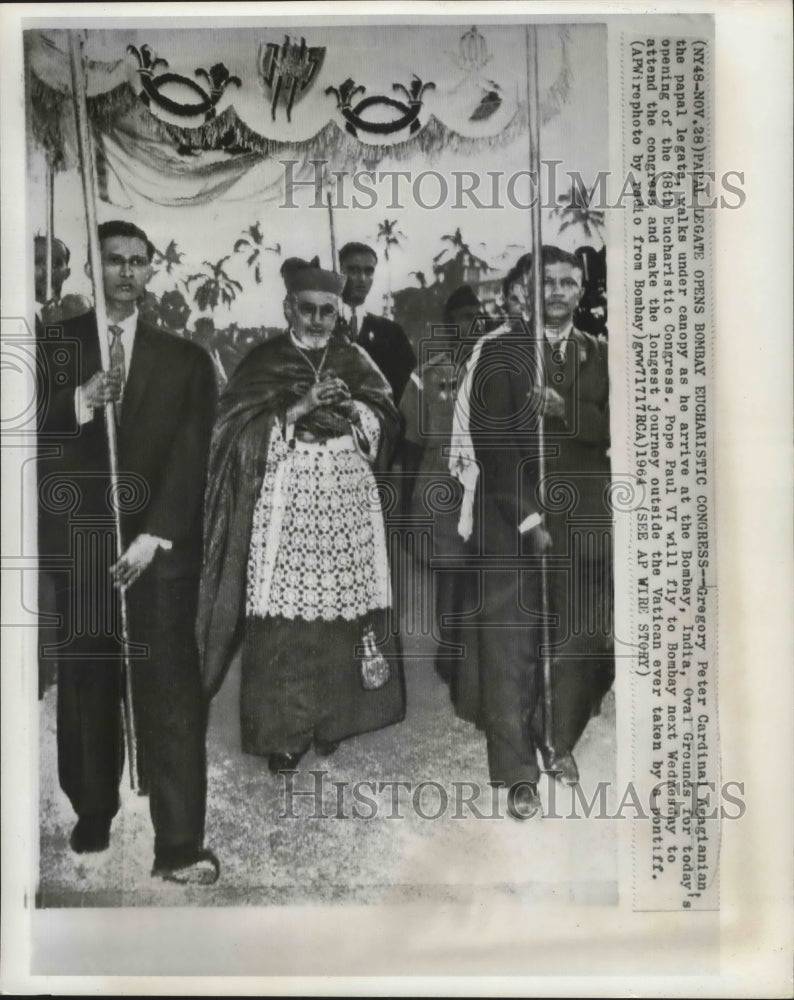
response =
{"points": [[188, 116]]}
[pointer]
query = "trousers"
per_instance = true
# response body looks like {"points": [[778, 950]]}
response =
{"points": [[168, 705]]}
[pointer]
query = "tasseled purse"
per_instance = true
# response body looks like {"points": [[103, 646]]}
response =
{"points": [[375, 670]]}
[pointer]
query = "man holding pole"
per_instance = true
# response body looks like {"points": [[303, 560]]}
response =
{"points": [[160, 391], [574, 399], [542, 528]]}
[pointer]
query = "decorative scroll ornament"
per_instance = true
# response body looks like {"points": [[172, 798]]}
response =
{"points": [[218, 78], [287, 71], [409, 113]]}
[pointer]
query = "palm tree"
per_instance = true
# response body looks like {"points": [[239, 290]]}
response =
{"points": [[216, 286], [253, 240], [458, 244], [390, 236], [461, 248], [170, 258], [576, 211]]}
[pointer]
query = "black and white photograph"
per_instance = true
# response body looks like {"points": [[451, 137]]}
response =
{"points": [[350, 525], [368, 565]]}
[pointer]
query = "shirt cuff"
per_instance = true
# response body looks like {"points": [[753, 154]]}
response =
{"points": [[164, 543], [82, 410], [530, 521]]}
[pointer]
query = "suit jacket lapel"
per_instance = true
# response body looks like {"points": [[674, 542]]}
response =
{"points": [[581, 344], [364, 330], [91, 360], [140, 373]]}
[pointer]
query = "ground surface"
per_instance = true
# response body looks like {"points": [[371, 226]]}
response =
{"points": [[279, 849]]}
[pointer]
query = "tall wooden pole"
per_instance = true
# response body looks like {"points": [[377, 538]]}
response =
{"points": [[533, 107], [334, 262], [50, 234], [88, 176]]}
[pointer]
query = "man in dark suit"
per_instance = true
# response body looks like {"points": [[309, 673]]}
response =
{"points": [[518, 519], [163, 391], [47, 312], [383, 339], [506, 536], [577, 512]]}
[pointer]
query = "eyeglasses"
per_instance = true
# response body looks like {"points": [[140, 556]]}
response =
{"points": [[308, 311]]}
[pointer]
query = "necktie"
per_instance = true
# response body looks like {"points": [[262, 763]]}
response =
{"points": [[117, 361], [353, 325]]}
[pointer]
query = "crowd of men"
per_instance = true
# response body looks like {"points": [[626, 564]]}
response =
{"points": [[215, 498]]}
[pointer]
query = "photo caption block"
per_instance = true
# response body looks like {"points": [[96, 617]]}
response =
{"points": [[667, 143]]}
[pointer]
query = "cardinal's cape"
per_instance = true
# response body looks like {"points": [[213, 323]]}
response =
{"points": [[268, 381]]}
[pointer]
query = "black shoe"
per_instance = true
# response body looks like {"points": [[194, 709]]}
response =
{"points": [[523, 801], [325, 748], [198, 867], [561, 766], [278, 762], [91, 834]]}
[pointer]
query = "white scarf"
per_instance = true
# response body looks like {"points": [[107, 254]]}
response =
{"points": [[462, 460]]}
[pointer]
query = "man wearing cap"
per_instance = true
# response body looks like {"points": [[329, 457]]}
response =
{"points": [[163, 391], [383, 339], [295, 551]]}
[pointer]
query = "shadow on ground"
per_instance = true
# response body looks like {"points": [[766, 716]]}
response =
{"points": [[398, 815]]}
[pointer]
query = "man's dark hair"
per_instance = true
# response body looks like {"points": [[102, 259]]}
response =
{"points": [[549, 255], [515, 276], [350, 248], [555, 255], [117, 227], [523, 264], [461, 298], [64, 248], [517, 273]]}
